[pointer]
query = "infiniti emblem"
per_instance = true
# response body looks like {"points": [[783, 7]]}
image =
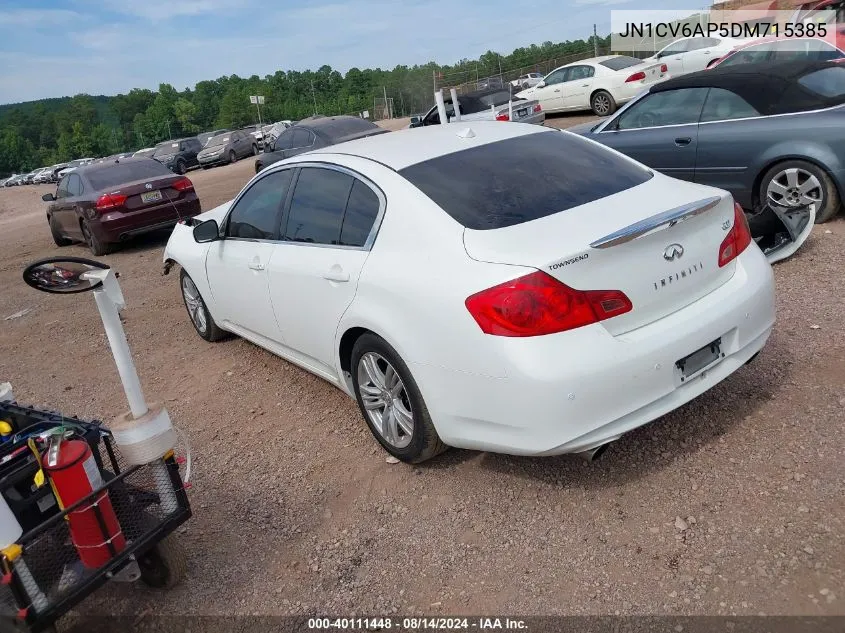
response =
{"points": [[673, 252], [148, 186]]}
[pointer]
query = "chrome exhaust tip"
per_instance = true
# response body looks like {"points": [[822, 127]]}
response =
{"points": [[593, 454]]}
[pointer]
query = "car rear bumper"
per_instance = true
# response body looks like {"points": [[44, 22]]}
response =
{"points": [[577, 390], [535, 119], [118, 226]]}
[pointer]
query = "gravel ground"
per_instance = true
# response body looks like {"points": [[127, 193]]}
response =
{"points": [[730, 505]]}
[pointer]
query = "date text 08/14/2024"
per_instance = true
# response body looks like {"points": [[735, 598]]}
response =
{"points": [[417, 624]]}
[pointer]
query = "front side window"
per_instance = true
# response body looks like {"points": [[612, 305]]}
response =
{"points": [[723, 105], [670, 107], [580, 72], [284, 141], [74, 185], [557, 77], [61, 190], [675, 48], [256, 214], [317, 206]]}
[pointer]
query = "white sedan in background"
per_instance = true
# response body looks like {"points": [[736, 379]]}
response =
{"points": [[508, 288], [691, 54], [527, 80], [599, 84]]}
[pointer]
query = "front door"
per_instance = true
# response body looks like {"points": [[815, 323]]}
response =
{"points": [[237, 264], [577, 87], [660, 130], [314, 271], [551, 94]]}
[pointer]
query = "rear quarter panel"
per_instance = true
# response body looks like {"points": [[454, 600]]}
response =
{"points": [[734, 155]]}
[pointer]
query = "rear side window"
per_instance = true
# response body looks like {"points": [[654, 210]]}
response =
{"points": [[118, 174], [317, 206], [723, 105], [361, 212], [256, 215], [828, 82], [522, 179]]}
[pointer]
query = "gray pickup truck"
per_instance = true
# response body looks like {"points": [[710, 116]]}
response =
{"points": [[487, 105]]}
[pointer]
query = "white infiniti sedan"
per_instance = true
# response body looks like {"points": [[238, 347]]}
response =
{"points": [[507, 288]]}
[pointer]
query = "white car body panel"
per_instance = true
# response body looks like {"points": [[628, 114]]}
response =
{"points": [[689, 61], [541, 395], [576, 94]]}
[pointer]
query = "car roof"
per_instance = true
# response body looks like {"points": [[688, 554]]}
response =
{"points": [[769, 87], [779, 38], [94, 167], [407, 147]]}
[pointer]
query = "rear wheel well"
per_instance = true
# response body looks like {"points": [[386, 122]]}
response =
{"points": [[347, 342], [758, 180]]}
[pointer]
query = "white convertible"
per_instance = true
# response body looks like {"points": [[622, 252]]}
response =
{"points": [[599, 84], [508, 288]]}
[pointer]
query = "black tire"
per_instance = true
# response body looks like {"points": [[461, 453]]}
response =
{"points": [[211, 332], [97, 246], [232, 157], [525, 86], [181, 168], [254, 149], [58, 238], [164, 564], [258, 166], [828, 206], [425, 442], [602, 103]]}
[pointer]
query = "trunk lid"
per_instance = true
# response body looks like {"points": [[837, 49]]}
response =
{"points": [[657, 244], [139, 196]]}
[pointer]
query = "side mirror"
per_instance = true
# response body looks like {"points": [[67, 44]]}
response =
{"points": [[542, 84], [62, 275], [48, 197], [207, 231]]}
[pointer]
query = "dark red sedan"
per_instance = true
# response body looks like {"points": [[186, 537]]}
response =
{"points": [[107, 203]]}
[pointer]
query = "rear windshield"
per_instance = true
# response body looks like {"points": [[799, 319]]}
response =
{"points": [[828, 82], [119, 174], [522, 179], [168, 147], [618, 63]]}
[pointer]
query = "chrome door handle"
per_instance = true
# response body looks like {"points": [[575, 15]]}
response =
{"points": [[336, 275], [584, 85], [256, 266]]}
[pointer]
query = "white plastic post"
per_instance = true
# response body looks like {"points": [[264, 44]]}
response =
{"points": [[441, 107], [455, 104], [121, 353], [510, 109]]}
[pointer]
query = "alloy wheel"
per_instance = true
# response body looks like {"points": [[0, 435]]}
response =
{"points": [[794, 187], [601, 104], [385, 400], [196, 307]]}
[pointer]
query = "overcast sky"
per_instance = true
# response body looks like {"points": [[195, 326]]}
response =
{"points": [[53, 48]]}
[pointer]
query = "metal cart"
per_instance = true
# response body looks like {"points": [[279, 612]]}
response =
{"points": [[43, 574]]}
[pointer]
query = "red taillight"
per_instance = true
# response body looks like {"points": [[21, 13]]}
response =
{"points": [[636, 77], [538, 304], [110, 201], [503, 116], [664, 68], [738, 238], [538, 108], [183, 184]]}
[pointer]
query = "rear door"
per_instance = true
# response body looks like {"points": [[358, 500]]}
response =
{"points": [[660, 130], [577, 87], [314, 271], [674, 57], [237, 264], [701, 52]]}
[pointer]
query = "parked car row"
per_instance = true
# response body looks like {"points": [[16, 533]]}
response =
{"points": [[496, 104]]}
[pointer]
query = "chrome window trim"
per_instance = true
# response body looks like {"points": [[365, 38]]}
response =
{"points": [[272, 169], [603, 126]]}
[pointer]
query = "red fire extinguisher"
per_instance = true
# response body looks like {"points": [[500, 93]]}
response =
{"points": [[73, 474]]}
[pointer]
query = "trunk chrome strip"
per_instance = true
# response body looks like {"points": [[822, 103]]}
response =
{"points": [[666, 218]]}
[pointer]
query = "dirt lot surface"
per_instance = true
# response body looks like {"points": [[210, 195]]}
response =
{"points": [[730, 505]]}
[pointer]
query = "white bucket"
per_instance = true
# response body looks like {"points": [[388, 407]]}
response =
{"points": [[10, 529], [6, 394]]}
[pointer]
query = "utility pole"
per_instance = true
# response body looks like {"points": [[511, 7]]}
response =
{"points": [[168, 129], [500, 64], [314, 96], [386, 114], [434, 80], [402, 101], [595, 42]]}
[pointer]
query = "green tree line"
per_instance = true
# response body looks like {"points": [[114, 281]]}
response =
{"points": [[49, 131]]}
